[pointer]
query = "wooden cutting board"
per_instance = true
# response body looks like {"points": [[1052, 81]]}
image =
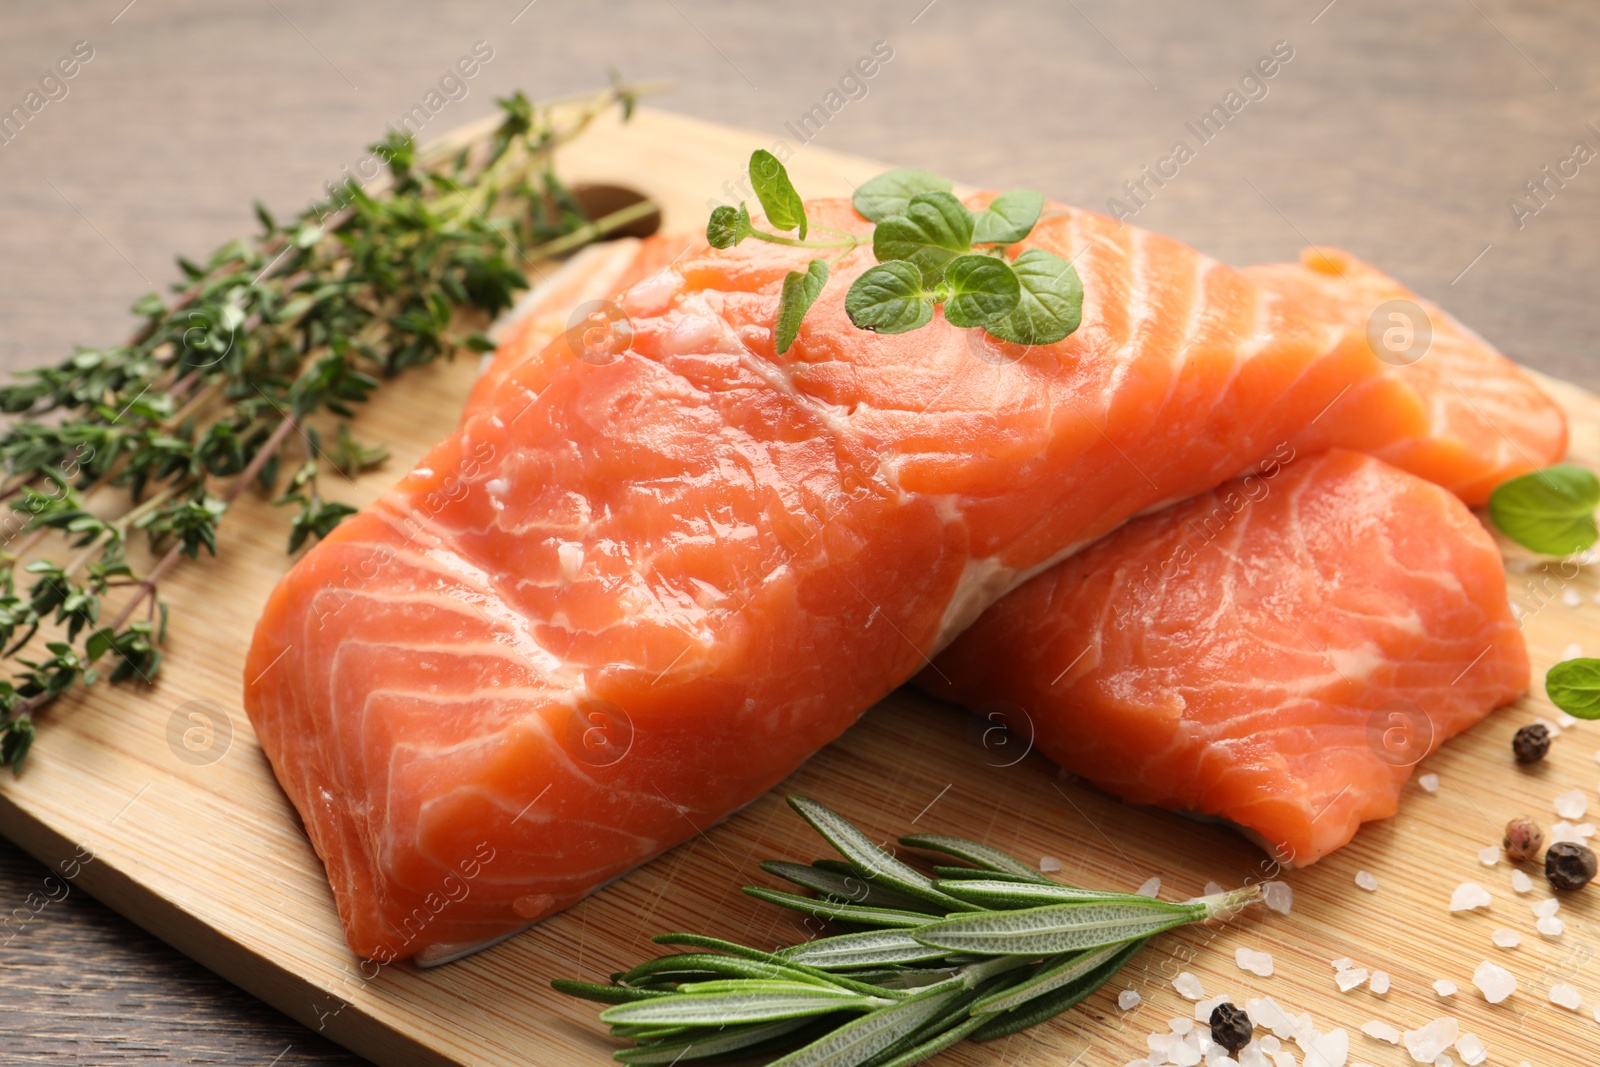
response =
{"points": [[202, 849]]}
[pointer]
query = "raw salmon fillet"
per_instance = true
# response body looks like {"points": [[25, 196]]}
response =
{"points": [[1449, 408], [1278, 652], [633, 591]]}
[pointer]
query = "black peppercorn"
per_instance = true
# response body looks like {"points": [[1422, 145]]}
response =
{"points": [[1531, 743], [1231, 1027], [1569, 865]]}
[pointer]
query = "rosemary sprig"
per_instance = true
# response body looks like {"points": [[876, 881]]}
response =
{"points": [[980, 952], [301, 323]]}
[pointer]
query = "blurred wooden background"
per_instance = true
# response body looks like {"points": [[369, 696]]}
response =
{"points": [[1398, 132]]}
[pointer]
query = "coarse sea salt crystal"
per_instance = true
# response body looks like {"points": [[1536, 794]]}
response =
{"points": [[1151, 888], [1188, 986], [1444, 987], [1494, 982], [1506, 937], [1550, 906], [1571, 599], [1212, 889], [1381, 1031], [1572, 805], [1521, 882], [1331, 1048], [1128, 999], [1278, 896], [1180, 1026], [1566, 831], [1553, 727], [1257, 963], [1203, 1010], [1049, 863], [1427, 1043], [1343, 963], [1352, 978], [1472, 1049], [1264, 1011], [1366, 880], [1468, 896], [1489, 856], [1566, 995], [1429, 783], [1550, 926], [1379, 983]]}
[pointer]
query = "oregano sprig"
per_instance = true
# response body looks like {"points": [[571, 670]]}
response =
{"points": [[932, 252], [980, 952]]}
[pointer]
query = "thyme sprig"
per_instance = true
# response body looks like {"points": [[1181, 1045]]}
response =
{"points": [[980, 951], [300, 324]]}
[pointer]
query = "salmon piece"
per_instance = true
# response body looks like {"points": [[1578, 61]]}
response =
{"points": [[634, 591], [1451, 409], [1278, 652]]}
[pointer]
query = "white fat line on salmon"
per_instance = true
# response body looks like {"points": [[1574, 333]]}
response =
{"points": [[1539, 192], [1252, 87]]}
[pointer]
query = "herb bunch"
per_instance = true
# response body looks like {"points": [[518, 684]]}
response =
{"points": [[979, 951], [931, 250], [303, 321]]}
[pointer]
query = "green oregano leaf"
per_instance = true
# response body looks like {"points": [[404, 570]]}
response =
{"points": [[1549, 511], [1009, 218], [991, 859], [935, 229], [1051, 304], [889, 298], [800, 291], [1573, 685], [979, 289], [784, 208], [728, 226], [888, 194]]}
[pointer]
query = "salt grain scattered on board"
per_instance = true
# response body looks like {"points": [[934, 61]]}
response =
{"points": [[1203, 1010], [1366, 880], [1444, 987], [1567, 996], [1489, 856], [1469, 896], [1343, 963], [1542, 908], [1188, 986], [1257, 963], [1553, 727], [1151, 888], [1379, 983], [1429, 783], [1521, 882], [1494, 982], [1565, 831], [1571, 599], [1427, 1043], [1472, 1049], [1350, 979], [1506, 938], [1381, 1031], [1572, 805], [1550, 926], [1128, 999], [1212, 889], [1278, 896], [1049, 863]]}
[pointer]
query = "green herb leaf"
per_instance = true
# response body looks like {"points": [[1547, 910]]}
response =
{"points": [[841, 912], [751, 1002], [783, 206], [1549, 511], [888, 194], [1011, 895], [728, 226], [1057, 928], [1052, 301], [1573, 685], [889, 298], [973, 852], [701, 963], [719, 1042], [800, 291], [1009, 218], [1065, 970], [1049, 1005], [857, 1042], [874, 862], [871, 948], [850, 885], [979, 290], [605, 994], [935, 229]]}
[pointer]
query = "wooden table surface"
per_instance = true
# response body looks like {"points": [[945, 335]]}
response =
{"points": [[1398, 132]]}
